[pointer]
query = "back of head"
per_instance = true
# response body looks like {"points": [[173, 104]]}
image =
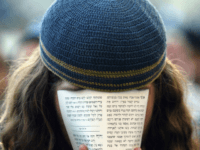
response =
{"points": [[191, 30]]}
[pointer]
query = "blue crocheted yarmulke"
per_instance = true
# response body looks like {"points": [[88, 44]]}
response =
{"points": [[105, 45]]}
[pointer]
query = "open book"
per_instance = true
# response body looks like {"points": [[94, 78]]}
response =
{"points": [[103, 120]]}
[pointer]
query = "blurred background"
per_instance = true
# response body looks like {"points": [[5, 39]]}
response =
{"points": [[19, 31], [20, 25]]}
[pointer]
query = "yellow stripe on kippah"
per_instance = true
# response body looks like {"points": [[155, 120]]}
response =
{"points": [[102, 74], [96, 83], [103, 90]]}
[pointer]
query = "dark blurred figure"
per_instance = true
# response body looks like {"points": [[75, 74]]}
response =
{"points": [[191, 35], [30, 40], [183, 49]]}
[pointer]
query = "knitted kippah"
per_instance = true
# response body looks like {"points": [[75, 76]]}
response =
{"points": [[105, 45]]}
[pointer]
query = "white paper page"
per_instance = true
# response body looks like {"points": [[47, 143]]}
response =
{"points": [[103, 120]]}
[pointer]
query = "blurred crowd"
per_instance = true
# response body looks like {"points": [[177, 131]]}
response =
{"points": [[20, 26]]}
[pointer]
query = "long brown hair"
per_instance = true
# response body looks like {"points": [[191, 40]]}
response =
{"points": [[171, 123], [32, 123]]}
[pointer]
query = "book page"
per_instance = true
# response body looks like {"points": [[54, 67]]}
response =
{"points": [[103, 120]]}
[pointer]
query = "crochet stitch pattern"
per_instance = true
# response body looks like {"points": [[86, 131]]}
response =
{"points": [[105, 45]]}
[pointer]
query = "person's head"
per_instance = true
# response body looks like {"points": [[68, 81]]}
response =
{"points": [[191, 37], [108, 45], [29, 40], [34, 121]]}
